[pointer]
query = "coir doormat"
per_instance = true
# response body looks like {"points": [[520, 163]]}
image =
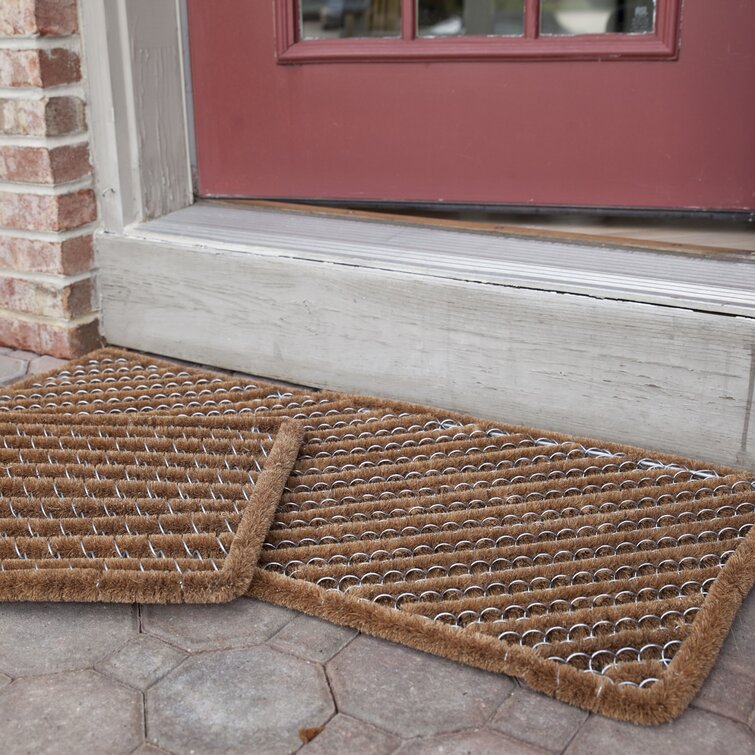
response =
{"points": [[136, 508], [604, 575]]}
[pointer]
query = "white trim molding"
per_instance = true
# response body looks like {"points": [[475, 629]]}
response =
{"points": [[134, 72], [650, 348]]}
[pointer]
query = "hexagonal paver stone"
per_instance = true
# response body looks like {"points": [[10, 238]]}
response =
{"points": [[11, 369], [411, 693], [242, 622], [345, 734], [539, 720], [695, 732], [79, 711], [45, 364], [727, 692], [21, 354], [312, 638], [43, 638], [238, 701], [468, 743], [142, 661]]}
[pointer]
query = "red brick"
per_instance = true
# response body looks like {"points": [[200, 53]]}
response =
{"points": [[48, 116], [35, 256], [76, 209], [24, 117], [56, 17], [64, 115], [42, 165], [79, 298], [38, 68], [70, 163], [20, 68], [31, 17], [44, 299], [59, 67], [25, 164], [39, 212], [49, 337], [18, 17]]}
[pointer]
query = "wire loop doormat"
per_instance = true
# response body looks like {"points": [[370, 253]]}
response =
{"points": [[126, 509], [604, 575]]}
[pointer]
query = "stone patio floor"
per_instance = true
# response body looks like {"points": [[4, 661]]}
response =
{"points": [[249, 677]]}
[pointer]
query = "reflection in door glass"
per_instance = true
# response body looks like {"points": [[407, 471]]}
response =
{"points": [[597, 16], [453, 18], [331, 19]]}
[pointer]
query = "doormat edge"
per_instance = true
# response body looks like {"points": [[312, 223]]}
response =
{"points": [[658, 704], [125, 586], [108, 352]]}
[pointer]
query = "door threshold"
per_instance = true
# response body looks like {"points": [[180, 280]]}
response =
{"points": [[719, 283], [682, 236]]}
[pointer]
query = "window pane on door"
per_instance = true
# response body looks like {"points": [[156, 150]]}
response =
{"points": [[597, 16], [453, 18], [331, 19]]}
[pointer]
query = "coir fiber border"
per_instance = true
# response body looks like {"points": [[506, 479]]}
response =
{"points": [[116, 576], [658, 704]]}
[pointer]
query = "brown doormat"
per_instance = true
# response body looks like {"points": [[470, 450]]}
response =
{"points": [[137, 508], [604, 575]]}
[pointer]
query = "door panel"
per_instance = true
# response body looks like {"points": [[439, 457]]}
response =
{"points": [[533, 131]]}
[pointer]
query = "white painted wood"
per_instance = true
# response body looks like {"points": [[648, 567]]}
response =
{"points": [[154, 32], [133, 57], [109, 118], [188, 93], [723, 284], [666, 378]]}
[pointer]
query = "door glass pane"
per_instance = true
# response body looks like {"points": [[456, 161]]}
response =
{"points": [[597, 16], [332, 19], [453, 18]]}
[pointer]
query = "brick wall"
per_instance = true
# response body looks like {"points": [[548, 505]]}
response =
{"points": [[47, 204]]}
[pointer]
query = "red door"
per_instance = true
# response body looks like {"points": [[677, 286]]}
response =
{"points": [[580, 103]]}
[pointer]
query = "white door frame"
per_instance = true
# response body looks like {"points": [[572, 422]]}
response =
{"points": [[668, 363], [134, 73]]}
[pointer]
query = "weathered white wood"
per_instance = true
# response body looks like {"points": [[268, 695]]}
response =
{"points": [[108, 112], [705, 283], [666, 378], [188, 91], [133, 57], [154, 33]]}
